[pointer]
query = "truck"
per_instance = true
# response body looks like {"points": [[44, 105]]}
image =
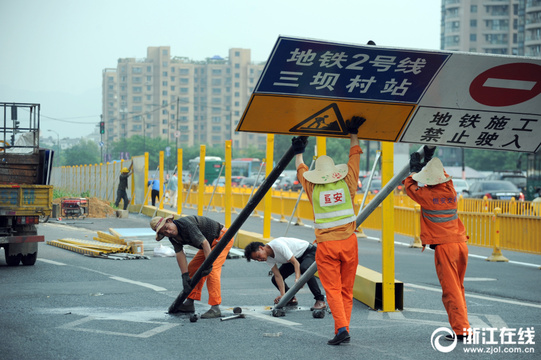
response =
{"points": [[25, 195]]}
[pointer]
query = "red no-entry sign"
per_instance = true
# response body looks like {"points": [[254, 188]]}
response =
{"points": [[506, 85]]}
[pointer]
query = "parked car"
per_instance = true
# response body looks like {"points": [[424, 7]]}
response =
{"points": [[460, 185], [494, 189], [220, 181], [235, 180], [375, 185], [516, 177], [289, 181], [250, 181]]}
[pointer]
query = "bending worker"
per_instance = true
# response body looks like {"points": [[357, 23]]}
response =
{"points": [[331, 190], [294, 256], [444, 232], [204, 234]]}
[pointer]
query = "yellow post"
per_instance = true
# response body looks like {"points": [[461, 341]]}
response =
{"points": [[387, 243], [268, 196], [161, 192], [180, 185], [497, 255], [321, 146], [146, 178], [201, 185], [417, 227], [228, 190]]}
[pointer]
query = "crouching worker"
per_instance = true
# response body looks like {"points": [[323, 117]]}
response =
{"points": [[444, 232], [202, 233], [293, 256]]}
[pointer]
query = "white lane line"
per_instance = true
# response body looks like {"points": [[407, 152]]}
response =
{"points": [[476, 322], [272, 319], [139, 283], [469, 255], [509, 262], [52, 262], [506, 301], [478, 279], [496, 321], [161, 327], [509, 84]]}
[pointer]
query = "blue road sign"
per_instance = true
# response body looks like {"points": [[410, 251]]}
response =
{"points": [[324, 69]]}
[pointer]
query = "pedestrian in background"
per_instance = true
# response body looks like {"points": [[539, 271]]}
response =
{"points": [[121, 192], [173, 187], [331, 190], [442, 231], [155, 192]]}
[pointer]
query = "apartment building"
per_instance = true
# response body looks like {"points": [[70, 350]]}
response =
{"points": [[188, 102], [505, 27]]}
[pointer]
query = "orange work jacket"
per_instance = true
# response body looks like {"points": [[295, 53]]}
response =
{"points": [[439, 218]]}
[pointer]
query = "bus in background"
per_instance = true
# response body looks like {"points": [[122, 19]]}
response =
{"points": [[213, 165], [246, 167]]}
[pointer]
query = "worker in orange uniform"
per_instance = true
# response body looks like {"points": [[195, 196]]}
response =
{"points": [[444, 232], [331, 190], [203, 233]]}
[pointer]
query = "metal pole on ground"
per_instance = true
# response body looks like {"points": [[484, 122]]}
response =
{"points": [[235, 226]]}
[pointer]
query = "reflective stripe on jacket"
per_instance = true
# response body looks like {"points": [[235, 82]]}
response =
{"points": [[440, 223], [332, 205]]}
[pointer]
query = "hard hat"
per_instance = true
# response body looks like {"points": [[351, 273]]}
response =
{"points": [[124, 170]]}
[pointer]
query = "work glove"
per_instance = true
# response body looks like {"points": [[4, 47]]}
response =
{"points": [[415, 162], [353, 125], [206, 272], [299, 144], [186, 282], [429, 153]]}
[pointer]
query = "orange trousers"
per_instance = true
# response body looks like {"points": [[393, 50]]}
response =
{"points": [[213, 279], [336, 266], [451, 261]]}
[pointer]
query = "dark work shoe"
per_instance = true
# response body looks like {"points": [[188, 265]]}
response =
{"points": [[186, 308], [452, 337], [319, 305], [339, 338], [211, 314]]}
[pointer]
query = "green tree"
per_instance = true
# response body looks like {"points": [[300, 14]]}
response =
{"points": [[85, 152], [491, 160]]}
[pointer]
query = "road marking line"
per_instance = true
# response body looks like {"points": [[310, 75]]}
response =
{"points": [[476, 322], [496, 321], [506, 301], [478, 279], [510, 84], [139, 283], [159, 329], [469, 255], [52, 262], [272, 319], [374, 315]]}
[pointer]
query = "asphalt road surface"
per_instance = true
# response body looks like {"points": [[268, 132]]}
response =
{"points": [[71, 306]]}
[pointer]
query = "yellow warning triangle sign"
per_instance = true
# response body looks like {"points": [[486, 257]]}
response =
{"points": [[328, 121]]}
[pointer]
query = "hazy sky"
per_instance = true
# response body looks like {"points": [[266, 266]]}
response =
{"points": [[53, 52]]}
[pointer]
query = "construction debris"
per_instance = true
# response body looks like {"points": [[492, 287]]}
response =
{"points": [[105, 246]]}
